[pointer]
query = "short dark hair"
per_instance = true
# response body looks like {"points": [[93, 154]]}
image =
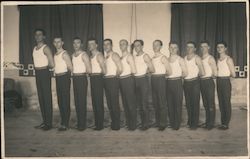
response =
{"points": [[93, 39], [124, 40], [173, 42], [191, 42], [140, 41], [111, 42], [205, 42], [77, 38], [41, 30], [222, 42], [59, 37], [157, 40]]}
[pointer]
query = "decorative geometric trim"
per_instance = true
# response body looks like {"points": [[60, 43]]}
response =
{"points": [[242, 74], [245, 68], [237, 68], [30, 66], [25, 72]]}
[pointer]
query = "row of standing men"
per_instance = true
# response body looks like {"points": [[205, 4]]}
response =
{"points": [[129, 74]]}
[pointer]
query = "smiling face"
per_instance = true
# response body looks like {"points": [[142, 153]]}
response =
{"points": [[107, 46], [92, 45], [138, 46], [58, 43], [39, 36], [190, 48], [157, 46], [173, 48], [123, 45], [221, 48], [204, 47], [77, 44]]}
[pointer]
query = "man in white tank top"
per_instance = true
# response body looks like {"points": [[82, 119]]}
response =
{"points": [[63, 68], [225, 66], [192, 84], [111, 83], [81, 66], [207, 85], [174, 86], [43, 60], [97, 83], [143, 65], [127, 85], [158, 82]]}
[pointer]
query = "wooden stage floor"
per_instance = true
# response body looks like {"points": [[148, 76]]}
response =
{"points": [[21, 139]]}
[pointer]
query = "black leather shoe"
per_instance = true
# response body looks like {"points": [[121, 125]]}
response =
{"points": [[46, 128], [98, 129], [144, 128], [62, 128], [39, 126], [223, 127], [161, 128]]}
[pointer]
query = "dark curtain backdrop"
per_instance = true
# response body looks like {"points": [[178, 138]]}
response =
{"points": [[68, 21], [213, 22]]}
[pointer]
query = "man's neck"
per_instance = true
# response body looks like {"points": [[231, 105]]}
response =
{"points": [[109, 52], [59, 50], [222, 55], [205, 54], [157, 53], [191, 54], [39, 44], [173, 54], [124, 53], [94, 52], [140, 52], [78, 51]]}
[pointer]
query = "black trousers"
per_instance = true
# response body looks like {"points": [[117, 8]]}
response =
{"points": [[175, 99], [111, 86], [224, 88], [97, 86], [192, 97], [141, 89], [208, 98], [80, 85], [43, 84], [63, 97], [127, 87], [159, 100]]}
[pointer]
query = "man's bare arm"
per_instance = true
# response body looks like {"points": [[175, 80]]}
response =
{"points": [[131, 62], [149, 63], [165, 61], [116, 58], [49, 55], [230, 64], [101, 61], [183, 67], [200, 66], [213, 66], [67, 59], [86, 60]]}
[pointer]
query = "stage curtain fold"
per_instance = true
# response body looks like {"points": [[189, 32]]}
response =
{"points": [[81, 20], [213, 22]]}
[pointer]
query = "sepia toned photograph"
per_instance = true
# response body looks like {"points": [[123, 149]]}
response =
{"points": [[125, 79]]}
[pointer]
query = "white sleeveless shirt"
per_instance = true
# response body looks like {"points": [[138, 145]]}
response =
{"points": [[110, 66], [60, 64], [141, 65], [160, 68], [207, 67], [126, 67], [39, 58], [176, 68], [223, 69], [78, 64], [96, 68], [192, 68]]}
